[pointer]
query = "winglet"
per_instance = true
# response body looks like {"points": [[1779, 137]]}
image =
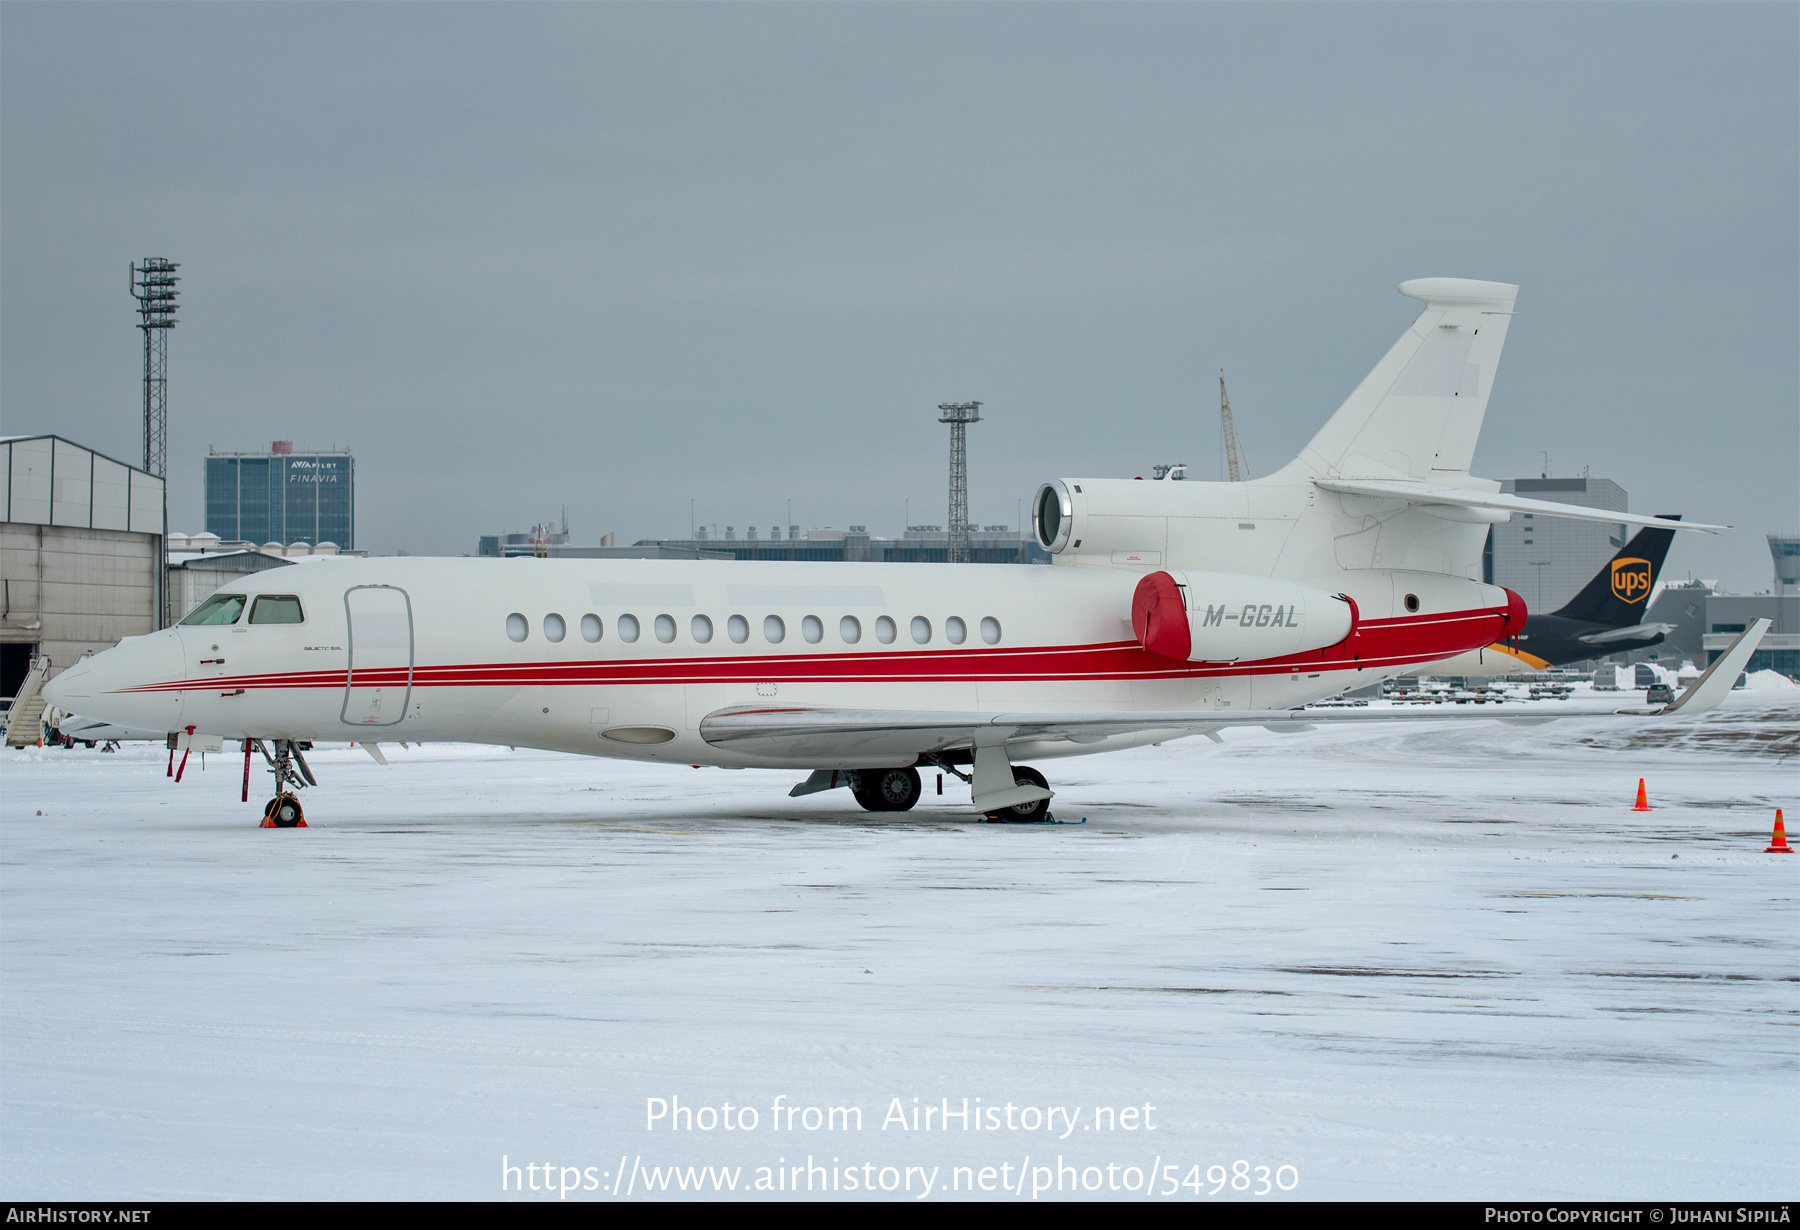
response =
{"points": [[1716, 683]]}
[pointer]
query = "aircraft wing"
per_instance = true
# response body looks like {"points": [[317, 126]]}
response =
{"points": [[1630, 632], [803, 734], [1458, 497], [893, 736]]}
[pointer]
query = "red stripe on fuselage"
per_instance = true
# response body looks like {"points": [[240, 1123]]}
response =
{"points": [[1375, 643]]}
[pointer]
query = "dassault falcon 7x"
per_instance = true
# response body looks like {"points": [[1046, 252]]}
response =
{"points": [[1171, 609]]}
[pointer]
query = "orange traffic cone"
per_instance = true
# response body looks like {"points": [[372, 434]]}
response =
{"points": [[1779, 845], [1643, 803]]}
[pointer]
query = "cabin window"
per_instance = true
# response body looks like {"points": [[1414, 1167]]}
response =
{"points": [[554, 628], [849, 630], [628, 628], [701, 627], [884, 630], [276, 609], [956, 630], [218, 609], [774, 631], [812, 630], [921, 629], [738, 629], [517, 626], [665, 628], [1412, 602], [990, 630], [590, 628]]}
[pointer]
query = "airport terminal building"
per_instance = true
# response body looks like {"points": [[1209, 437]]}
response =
{"points": [[921, 544], [282, 496]]}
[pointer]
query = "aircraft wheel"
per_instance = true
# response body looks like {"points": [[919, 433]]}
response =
{"points": [[865, 798], [894, 789], [283, 812], [1024, 813]]}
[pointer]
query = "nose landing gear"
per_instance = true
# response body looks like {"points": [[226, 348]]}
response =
{"points": [[284, 810]]}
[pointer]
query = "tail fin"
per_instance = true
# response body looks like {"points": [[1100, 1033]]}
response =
{"points": [[1417, 415], [1616, 597]]}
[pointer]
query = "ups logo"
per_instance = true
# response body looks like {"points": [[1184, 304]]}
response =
{"points": [[1631, 579]]}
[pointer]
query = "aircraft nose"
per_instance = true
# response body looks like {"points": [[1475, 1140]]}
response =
{"points": [[127, 685], [69, 683]]}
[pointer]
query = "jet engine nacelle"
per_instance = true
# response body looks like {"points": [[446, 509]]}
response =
{"points": [[1229, 617]]}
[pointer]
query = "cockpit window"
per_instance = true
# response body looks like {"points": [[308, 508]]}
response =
{"points": [[218, 609], [276, 609]]}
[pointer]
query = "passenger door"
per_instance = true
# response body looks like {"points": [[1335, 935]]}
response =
{"points": [[379, 681]]}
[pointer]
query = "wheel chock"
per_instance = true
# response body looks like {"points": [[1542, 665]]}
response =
{"points": [[272, 813]]}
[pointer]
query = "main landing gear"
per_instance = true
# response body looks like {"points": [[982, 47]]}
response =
{"points": [[284, 810], [1005, 793], [886, 789], [1034, 812]]}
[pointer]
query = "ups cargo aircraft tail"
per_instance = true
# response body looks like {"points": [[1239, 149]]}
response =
{"points": [[1172, 609], [1605, 617]]}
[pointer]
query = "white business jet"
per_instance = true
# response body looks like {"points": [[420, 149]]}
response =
{"points": [[1172, 609]]}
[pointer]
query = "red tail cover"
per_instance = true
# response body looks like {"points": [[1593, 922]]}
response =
{"points": [[1159, 617]]}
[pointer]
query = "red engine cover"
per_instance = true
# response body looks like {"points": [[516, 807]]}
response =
{"points": [[1159, 617], [1515, 614]]}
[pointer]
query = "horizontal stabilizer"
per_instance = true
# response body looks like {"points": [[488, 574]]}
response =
{"points": [[1428, 495]]}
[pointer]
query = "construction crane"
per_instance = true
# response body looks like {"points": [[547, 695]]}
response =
{"points": [[1229, 432]]}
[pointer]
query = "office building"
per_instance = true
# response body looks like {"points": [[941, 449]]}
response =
{"points": [[282, 496], [1546, 560]]}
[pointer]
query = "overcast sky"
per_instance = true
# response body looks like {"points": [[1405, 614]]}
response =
{"points": [[627, 256]]}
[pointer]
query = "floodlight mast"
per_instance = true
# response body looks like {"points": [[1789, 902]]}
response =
{"points": [[959, 415], [153, 286]]}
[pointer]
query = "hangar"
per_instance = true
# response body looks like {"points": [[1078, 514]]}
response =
{"points": [[79, 551]]}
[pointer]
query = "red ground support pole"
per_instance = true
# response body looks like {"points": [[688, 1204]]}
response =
{"points": [[184, 755], [246, 797]]}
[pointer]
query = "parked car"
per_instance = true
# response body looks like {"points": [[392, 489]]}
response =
{"points": [[1659, 694]]}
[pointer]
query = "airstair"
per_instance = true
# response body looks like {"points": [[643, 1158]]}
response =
{"points": [[23, 719]]}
